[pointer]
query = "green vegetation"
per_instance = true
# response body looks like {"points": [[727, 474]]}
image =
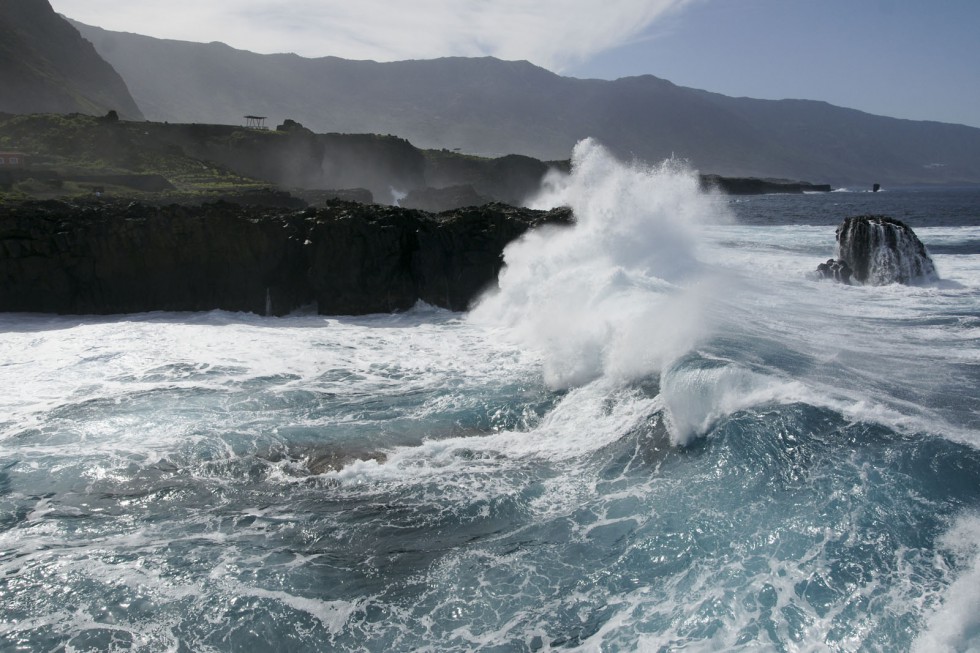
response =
{"points": [[71, 156]]}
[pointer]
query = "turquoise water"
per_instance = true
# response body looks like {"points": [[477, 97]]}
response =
{"points": [[662, 434]]}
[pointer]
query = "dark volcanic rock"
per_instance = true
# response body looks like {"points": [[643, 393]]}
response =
{"points": [[836, 270], [59, 258], [370, 259], [360, 259], [349, 258], [882, 250], [460, 255]]}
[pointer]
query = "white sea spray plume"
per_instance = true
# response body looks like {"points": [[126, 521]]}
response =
{"points": [[621, 294]]}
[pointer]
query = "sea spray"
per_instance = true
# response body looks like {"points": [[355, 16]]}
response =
{"points": [[634, 291], [954, 623], [620, 294]]}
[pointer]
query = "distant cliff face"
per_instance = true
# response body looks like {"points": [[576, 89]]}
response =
{"points": [[47, 67]]}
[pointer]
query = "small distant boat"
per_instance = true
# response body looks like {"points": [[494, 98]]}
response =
{"points": [[876, 188]]}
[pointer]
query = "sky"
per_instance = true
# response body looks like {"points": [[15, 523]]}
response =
{"points": [[915, 59]]}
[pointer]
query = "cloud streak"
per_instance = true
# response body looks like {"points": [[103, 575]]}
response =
{"points": [[554, 34]]}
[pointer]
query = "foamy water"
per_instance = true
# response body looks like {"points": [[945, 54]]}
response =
{"points": [[662, 433]]}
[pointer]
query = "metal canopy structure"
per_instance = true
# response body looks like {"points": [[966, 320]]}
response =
{"points": [[255, 122]]}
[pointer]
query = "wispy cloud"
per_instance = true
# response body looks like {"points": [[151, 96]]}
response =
{"points": [[551, 33]]}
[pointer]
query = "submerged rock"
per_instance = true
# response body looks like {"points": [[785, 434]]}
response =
{"points": [[882, 250]]}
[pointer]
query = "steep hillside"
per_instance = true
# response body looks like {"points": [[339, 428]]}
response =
{"points": [[492, 107], [46, 66]]}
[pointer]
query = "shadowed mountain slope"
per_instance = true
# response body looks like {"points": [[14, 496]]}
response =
{"points": [[47, 67]]}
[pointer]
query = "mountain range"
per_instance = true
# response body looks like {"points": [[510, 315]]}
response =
{"points": [[489, 107]]}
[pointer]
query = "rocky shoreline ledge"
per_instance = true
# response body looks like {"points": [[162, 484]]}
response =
{"points": [[347, 258]]}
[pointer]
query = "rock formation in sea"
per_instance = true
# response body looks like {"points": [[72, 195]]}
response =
{"points": [[349, 258], [836, 270], [880, 250]]}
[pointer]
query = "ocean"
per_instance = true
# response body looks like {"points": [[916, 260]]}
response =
{"points": [[661, 433]]}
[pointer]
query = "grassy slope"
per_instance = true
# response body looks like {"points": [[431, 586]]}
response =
{"points": [[212, 161], [72, 145]]}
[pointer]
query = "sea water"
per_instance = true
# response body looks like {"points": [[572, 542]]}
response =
{"points": [[661, 433]]}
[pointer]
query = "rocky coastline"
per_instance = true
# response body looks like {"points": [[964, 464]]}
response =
{"points": [[344, 257], [758, 186]]}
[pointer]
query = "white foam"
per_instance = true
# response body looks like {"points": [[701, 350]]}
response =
{"points": [[954, 625], [588, 418], [332, 614]]}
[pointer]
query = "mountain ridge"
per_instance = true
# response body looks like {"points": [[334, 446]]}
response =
{"points": [[491, 107]]}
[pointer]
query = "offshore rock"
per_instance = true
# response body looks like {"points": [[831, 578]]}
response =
{"points": [[836, 270], [882, 250], [103, 258]]}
